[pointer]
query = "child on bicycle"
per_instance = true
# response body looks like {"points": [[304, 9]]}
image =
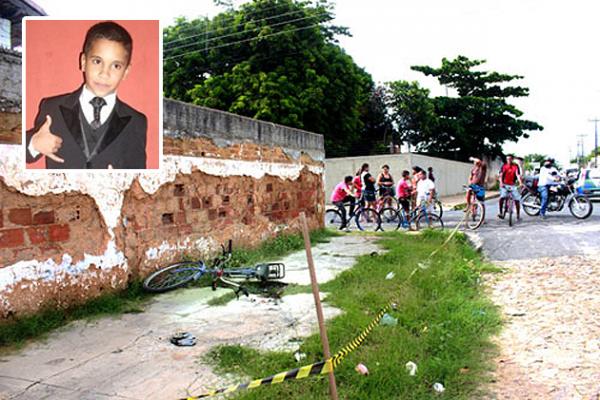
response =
{"points": [[404, 190], [425, 190], [342, 193]]}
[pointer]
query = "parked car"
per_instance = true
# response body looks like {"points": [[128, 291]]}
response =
{"points": [[589, 183]]}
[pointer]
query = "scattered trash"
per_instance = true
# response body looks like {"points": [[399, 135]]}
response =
{"points": [[411, 367], [299, 356], [394, 306], [464, 370], [374, 254], [183, 339], [424, 265], [388, 320], [438, 387], [362, 369], [390, 275]]}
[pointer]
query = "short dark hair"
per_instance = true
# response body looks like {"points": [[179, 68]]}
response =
{"points": [[405, 173], [111, 31], [385, 166], [348, 179], [417, 169]]}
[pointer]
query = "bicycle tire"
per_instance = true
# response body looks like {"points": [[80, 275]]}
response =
{"points": [[368, 219], [432, 221], [390, 219], [174, 277], [475, 220], [333, 218], [510, 206], [437, 208], [579, 200]]}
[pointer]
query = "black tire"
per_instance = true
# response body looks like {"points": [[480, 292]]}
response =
{"points": [[429, 221], [437, 208], [368, 220], [581, 207], [333, 219], [510, 207], [391, 200], [531, 204], [390, 219], [171, 277], [473, 220]]}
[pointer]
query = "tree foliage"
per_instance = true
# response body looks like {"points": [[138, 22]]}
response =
{"points": [[274, 60], [476, 122]]}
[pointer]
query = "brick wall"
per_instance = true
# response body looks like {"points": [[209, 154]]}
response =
{"points": [[65, 238], [10, 96]]}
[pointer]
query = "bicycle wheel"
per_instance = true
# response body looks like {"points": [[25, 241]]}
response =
{"points": [[429, 221], [531, 204], [171, 277], [390, 219], [368, 219], [581, 207], [475, 216], [509, 208], [333, 219], [437, 208]]}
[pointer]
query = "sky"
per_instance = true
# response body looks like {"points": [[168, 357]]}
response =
{"points": [[549, 42]]}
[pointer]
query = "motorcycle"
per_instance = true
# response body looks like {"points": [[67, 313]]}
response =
{"points": [[559, 195]]}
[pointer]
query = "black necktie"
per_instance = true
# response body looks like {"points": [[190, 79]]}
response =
{"points": [[97, 103]]}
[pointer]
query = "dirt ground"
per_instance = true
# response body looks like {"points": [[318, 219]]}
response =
{"points": [[550, 345]]}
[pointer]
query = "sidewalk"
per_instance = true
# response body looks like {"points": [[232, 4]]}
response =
{"points": [[449, 202]]}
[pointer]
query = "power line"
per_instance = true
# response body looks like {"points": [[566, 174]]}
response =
{"points": [[242, 41], [231, 26], [190, 28], [239, 33]]}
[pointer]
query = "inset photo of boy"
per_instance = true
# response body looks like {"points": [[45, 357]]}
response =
{"points": [[92, 94]]}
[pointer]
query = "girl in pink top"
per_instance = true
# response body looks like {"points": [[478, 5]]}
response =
{"points": [[343, 194]]}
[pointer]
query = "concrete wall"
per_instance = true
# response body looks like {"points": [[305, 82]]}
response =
{"points": [[65, 238], [449, 175]]}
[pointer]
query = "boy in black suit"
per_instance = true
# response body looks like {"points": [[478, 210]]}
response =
{"points": [[91, 127]]}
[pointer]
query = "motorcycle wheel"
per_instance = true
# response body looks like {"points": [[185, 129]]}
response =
{"points": [[531, 204], [581, 207]]}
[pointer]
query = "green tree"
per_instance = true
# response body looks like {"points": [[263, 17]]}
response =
{"points": [[476, 122], [533, 158], [275, 60]]}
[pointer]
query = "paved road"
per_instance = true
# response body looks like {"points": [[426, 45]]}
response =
{"points": [[559, 235]]}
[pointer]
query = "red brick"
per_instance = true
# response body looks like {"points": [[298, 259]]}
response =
{"points": [[179, 190], [37, 235], [212, 214], [185, 230], [59, 233], [20, 216], [1, 219], [181, 205], [196, 203], [11, 238], [180, 218], [43, 217]]}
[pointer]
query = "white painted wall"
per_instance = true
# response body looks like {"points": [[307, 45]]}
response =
{"points": [[449, 175]]}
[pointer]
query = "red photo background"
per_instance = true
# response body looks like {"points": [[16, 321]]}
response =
{"points": [[52, 68]]}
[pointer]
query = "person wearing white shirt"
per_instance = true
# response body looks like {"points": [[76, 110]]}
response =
{"points": [[548, 177], [425, 189]]}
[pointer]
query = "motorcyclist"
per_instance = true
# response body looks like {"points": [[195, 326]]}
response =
{"points": [[548, 177]]}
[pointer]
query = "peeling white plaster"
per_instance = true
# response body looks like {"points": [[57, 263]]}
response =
{"points": [[203, 245], [34, 271], [108, 189]]}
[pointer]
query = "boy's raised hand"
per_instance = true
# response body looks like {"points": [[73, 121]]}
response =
{"points": [[47, 143]]}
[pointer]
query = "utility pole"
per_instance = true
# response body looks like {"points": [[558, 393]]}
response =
{"points": [[580, 138], [595, 121]]}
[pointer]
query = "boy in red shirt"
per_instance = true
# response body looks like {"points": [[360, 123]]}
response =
{"points": [[404, 191], [510, 175], [343, 194]]}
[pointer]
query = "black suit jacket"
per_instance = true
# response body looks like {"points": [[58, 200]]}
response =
{"points": [[123, 145]]}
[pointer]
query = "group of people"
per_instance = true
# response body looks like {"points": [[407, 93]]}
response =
{"points": [[364, 188]]}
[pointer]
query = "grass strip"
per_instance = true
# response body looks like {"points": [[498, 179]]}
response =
{"points": [[445, 322]]}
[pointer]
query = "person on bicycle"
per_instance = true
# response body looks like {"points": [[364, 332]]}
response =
{"points": [[404, 191], [425, 189], [510, 175], [385, 182], [357, 185], [477, 180], [368, 186], [548, 177], [342, 193]]}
